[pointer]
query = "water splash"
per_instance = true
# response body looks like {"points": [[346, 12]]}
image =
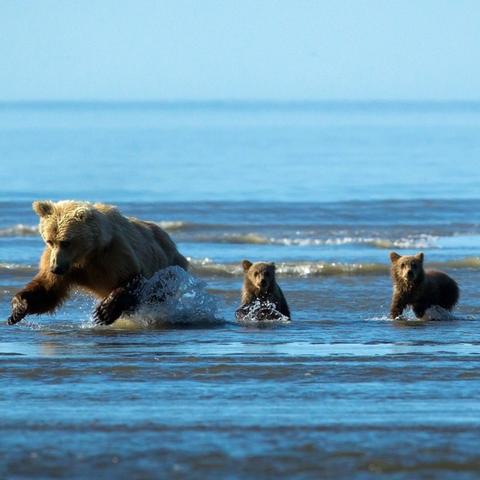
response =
{"points": [[173, 297], [260, 312], [439, 314], [434, 313]]}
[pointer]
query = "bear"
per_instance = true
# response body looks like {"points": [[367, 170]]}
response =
{"points": [[92, 246], [422, 289], [260, 285]]}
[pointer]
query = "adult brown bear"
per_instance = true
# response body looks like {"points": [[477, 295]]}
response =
{"points": [[96, 248]]}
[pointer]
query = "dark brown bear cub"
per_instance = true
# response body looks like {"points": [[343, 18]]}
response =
{"points": [[422, 289], [260, 286]]}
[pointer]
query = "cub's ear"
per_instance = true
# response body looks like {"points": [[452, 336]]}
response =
{"points": [[419, 256], [43, 208], [246, 264], [394, 256]]}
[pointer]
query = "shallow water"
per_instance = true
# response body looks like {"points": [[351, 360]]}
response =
{"points": [[342, 390]]}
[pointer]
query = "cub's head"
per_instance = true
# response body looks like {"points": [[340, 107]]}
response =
{"points": [[407, 268], [70, 230], [261, 275]]}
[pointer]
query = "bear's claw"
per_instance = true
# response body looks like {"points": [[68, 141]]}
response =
{"points": [[110, 308], [19, 310]]}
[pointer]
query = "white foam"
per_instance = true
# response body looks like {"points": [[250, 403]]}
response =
{"points": [[19, 230], [171, 225], [263, 313], [434, 313]]}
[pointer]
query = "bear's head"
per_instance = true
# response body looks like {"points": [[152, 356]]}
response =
{"points": [[260, 275], [72, 231], [407, 268]]}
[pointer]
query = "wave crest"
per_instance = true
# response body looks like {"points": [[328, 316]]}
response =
{"points": [[316, 269], [19, 230], [207, 267]]}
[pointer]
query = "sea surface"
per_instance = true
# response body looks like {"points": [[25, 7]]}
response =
{"points": [[326, 191]]}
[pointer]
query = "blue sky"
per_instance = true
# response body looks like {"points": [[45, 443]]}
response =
{"points": [[243, 49]]}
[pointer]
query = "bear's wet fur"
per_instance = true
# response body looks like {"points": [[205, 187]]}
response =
{"points": [[95, 248], [421, 289], [260, 285]]}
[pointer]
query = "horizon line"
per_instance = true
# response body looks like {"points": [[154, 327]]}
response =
{"points": [[221, 101]]}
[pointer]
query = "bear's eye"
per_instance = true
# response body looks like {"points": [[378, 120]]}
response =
{"points": [[64, 243], [49, 243], [256, 274]]}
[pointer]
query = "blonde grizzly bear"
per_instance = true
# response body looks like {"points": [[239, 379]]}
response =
{"points": [[422, 289], [260, 284], [96, 248]]}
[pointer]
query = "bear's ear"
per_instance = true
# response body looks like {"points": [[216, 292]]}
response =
{"points": [[272, 265], [246, 264], [394, 256], [43, 208], [419, 256]]}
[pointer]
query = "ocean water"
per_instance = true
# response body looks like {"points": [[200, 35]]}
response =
{"points": [[326, 190]]}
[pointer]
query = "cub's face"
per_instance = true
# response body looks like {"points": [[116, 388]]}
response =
{"points": [[66, 234], [261, 275], [407, 267]]}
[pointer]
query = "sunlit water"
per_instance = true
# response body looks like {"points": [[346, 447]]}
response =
{"points": [[183, 390]]}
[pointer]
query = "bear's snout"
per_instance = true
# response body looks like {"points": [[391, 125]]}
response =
{"points": [[59, 270]]}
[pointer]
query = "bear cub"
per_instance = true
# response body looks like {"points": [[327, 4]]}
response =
{"points": [[422, 289], [260, 285]]}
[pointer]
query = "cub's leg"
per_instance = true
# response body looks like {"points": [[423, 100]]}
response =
{"points": [[398, 305], [419, 309]]}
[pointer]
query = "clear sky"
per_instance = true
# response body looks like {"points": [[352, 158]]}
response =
{"points": [[239, 49]]}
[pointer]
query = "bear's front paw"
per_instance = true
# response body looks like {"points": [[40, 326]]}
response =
{"points": [[19, 310]]}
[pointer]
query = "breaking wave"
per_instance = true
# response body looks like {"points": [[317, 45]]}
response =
{"points": [[252, 238], [421, 241], [19, 230], [316, 269], [22, 230], [235, 238], [298, 269], [8, 270], [172, 226], [197, 234], [207, 267]]}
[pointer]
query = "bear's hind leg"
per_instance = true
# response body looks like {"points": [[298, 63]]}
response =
{"points": [[119, 301]]}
